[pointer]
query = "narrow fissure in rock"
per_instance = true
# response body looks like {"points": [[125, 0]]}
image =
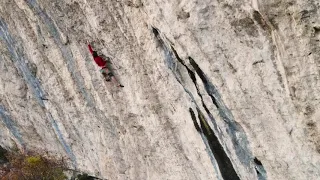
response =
{"points": [[194, 119], [240, 145], [225, 165], [226, 168], [261, 172]]}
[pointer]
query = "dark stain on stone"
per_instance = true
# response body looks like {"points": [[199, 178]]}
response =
{"points": [[3, 158], [261, 21], [316, 30], [257, 62], [247, 25], [309, 110], [183, 15]]}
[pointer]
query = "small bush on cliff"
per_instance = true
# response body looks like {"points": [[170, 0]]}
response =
{"points": [[3, 158], [84, 177], [24, 167]]}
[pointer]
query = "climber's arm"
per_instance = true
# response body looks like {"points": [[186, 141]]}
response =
{"points": [[90, 48]]}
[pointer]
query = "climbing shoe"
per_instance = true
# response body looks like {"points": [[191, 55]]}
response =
{"points": [[110, 74], [108, 78]]}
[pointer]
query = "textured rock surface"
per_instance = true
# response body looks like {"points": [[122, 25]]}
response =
{"points": [[213, 89]]}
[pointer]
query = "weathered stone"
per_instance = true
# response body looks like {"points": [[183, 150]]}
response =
{"points": [[213, 89]]}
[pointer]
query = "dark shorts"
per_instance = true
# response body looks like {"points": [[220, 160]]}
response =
{"points": [[106, 70]]}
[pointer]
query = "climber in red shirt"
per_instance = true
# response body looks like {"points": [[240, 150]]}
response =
{"points": [[104, 65]]}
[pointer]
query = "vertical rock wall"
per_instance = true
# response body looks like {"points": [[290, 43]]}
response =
{"points": [[213, 89]]}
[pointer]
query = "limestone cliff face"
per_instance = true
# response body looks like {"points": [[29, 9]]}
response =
{"points": [[213, 89]]}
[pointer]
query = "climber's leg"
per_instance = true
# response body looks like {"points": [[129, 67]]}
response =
{"points": [[104, 72], [114, 79]]}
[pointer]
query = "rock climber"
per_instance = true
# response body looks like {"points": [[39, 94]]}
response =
{"points": [[105, 66]]}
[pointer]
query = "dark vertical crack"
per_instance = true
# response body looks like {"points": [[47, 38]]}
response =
{"points": [[240, 142], [226, 168], [261, 172], [194, 119], [205, 81], [205, 141], [234, 130], [194, 80], [155, 32], [210, 139]]}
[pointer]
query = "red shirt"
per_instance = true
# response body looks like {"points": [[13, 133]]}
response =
{"points": [[99, 60]]}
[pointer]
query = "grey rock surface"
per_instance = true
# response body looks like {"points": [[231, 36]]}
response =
{"points": [[214, 89]]}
